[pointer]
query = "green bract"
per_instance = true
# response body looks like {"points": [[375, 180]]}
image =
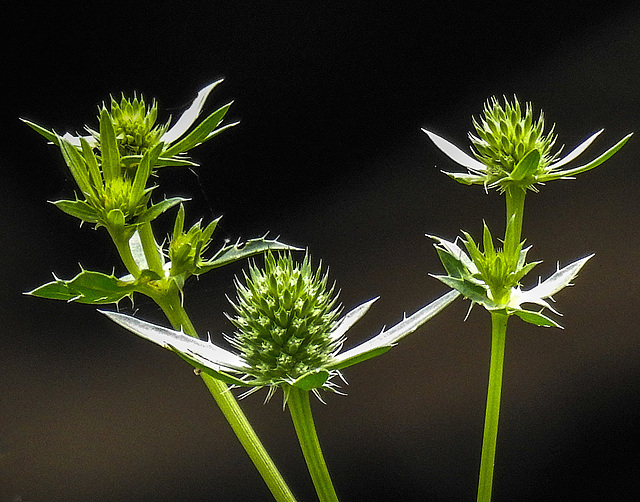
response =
{"points": [[512, 150], [492, 278], [288, 331]]}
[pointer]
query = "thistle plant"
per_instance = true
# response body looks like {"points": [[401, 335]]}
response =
{"points": [[289, 332], [112, 168], [513, 154], [289, 336]]}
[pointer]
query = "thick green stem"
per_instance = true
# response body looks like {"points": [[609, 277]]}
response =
{"points": [[230, 408], [300, 409], [498, 335], [515, 212]]}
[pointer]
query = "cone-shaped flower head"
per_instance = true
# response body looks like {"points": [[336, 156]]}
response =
{"points": [[285, 314], [512, 149], [505, 137], [134, 124]]}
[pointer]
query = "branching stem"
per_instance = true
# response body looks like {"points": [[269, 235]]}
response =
{"points": [[170, 302]]}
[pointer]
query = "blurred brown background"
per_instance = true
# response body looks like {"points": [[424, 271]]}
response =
{"points": [[329, 155]]}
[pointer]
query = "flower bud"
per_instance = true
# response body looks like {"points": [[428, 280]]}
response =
{"points": [[133, 123]]}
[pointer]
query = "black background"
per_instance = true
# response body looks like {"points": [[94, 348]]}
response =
{"points": [[328, 155]]}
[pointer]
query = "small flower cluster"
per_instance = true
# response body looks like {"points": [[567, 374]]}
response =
{"points": [[491, 278], [112, 166]]}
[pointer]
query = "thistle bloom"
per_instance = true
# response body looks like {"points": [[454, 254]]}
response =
{"points": [[289, 331], [512, 149], [134, 123], [112, 166]]}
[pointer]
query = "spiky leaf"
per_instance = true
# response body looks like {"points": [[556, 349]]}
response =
{"points": [[89, 287]]}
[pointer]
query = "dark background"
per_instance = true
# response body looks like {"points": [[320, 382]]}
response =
{"points": [[329, 155]]}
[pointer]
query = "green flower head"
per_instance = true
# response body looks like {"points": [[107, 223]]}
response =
{"points": [[512, 149], [112, 166], [134, 124], [285, 314], [505, 137]]}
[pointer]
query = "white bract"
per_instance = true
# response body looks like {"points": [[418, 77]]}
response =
{"points": [[479, 173], [230, 367], [182, 125]]}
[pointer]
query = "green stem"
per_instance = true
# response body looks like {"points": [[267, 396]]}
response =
{"points": [[298, 403], [487, 461], [150, 248], [515, 212], [124, 250], [230, 408]]}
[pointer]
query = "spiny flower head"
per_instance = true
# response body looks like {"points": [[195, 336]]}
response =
{"points": [[285, 314], [288, 331], [512, 150], [134, 124], [505, 136]]}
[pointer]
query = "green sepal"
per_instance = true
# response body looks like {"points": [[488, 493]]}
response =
{"points": [[132, 160], [527, 166], [144, 171], [89, 287], [203, 132], [157, 209], [79, 209], [312, 380], [92, 165], [239, 251], [453, 266], [536, 318], [78, 167], [466, 178], [360, 357]]}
